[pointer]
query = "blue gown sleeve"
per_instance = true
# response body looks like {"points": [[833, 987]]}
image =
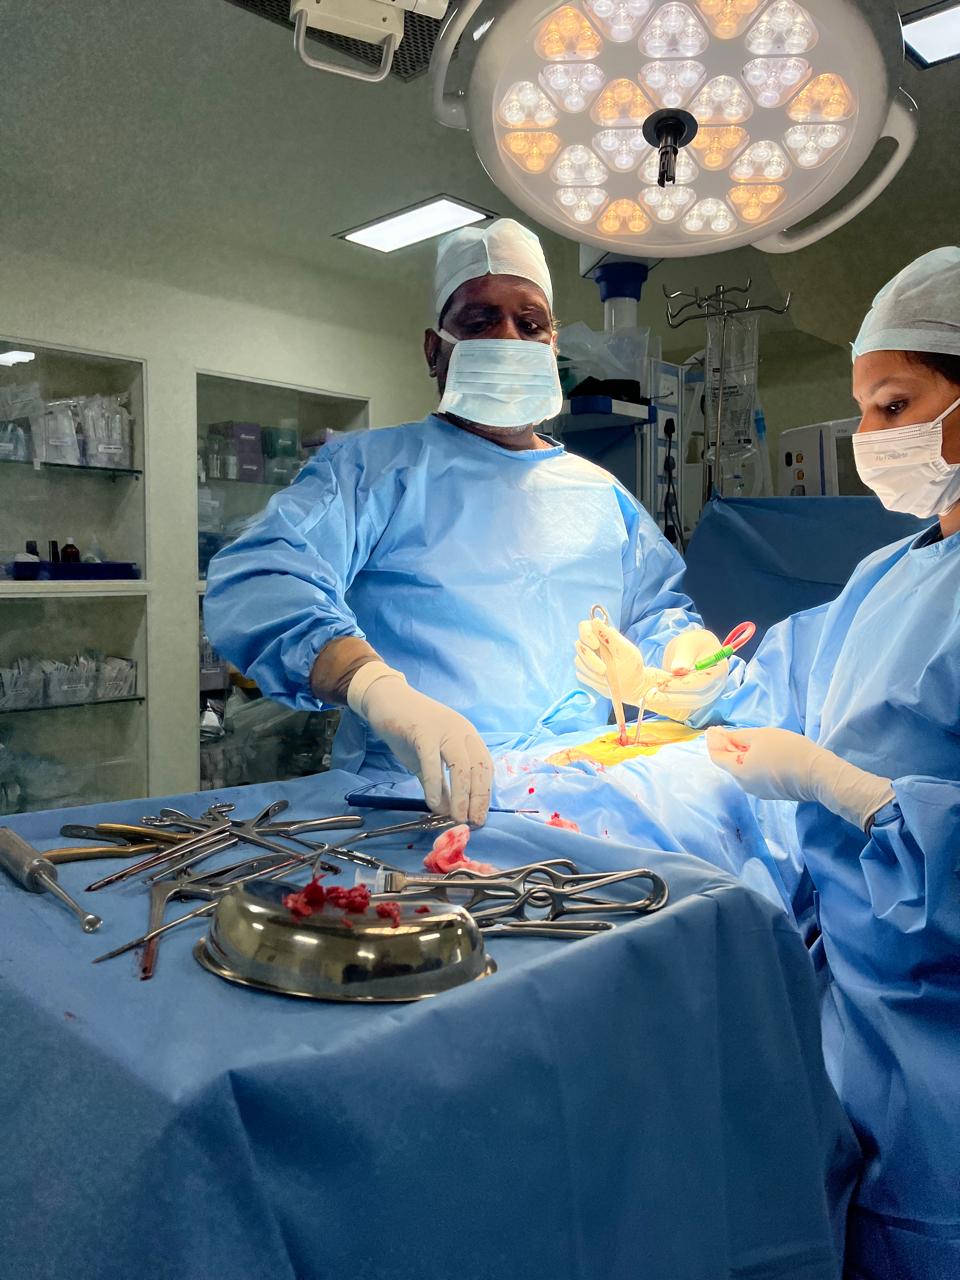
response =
{"points": [[276, 596], [772, 688], [910, 864], [654, 608]]}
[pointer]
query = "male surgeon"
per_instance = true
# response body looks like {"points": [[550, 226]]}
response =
{"points": [[427, 576]]}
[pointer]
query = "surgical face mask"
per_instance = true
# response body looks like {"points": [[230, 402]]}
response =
{"points": [[505, 383], [905, 469]]}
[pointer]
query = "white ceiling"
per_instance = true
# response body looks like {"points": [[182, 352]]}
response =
{"points": [[186, 134]]}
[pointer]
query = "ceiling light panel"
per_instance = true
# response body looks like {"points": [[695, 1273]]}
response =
{"points": [[933, 37], [774, 94], [410, 226]]}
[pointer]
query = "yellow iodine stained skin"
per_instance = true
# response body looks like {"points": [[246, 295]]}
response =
{"points": [[607, 750]]}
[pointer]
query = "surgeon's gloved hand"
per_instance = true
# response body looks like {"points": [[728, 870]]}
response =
{"points": [[631, 670], [776, 764], [428, 739]]}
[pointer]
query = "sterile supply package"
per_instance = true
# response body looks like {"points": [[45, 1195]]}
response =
{"points": [[18, 405], [92, 431], [106, 427], [619, 356], [55, 436], [15, 438], [116, 678], [72, 681], [50, 682], [21, 685]]}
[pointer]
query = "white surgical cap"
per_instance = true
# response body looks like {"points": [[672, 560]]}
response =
{"points": [[505, 248], [919, 310]]}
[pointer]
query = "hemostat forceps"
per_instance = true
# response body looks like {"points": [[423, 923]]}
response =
{"points": [[543, 889]]}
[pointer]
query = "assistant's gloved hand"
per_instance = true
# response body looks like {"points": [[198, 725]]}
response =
{"points": [[680, 697], [776, 764], [676, 697], [427, 738]]}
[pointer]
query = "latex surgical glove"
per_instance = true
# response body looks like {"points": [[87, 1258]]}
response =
{"points": [[680, 697], [676, 697], [428, 739], [631, 669], [776, 764]]}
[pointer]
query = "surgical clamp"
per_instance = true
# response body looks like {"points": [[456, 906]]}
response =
{"points": [[216, 891], [540, 888], [205, 886], [250, 831], [207, 842]]}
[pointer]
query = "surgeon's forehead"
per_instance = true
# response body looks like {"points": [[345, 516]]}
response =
{"points": [[498, 292]]}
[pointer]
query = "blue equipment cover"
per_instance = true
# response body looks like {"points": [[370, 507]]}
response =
{"points": [[765, 558]]}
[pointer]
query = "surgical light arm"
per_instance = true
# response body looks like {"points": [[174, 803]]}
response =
{"points": [[377, 22]]}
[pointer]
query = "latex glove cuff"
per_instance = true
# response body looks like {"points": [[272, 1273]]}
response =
{"points": [[366, 677]]}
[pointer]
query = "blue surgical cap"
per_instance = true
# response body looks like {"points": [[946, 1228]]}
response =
{"points": [[919, 310]]}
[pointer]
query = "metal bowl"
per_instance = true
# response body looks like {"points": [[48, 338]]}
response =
{"points": [[256, 941]]}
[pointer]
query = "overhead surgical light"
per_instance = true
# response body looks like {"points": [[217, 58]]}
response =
{"points": [[410, 226], [665, 129], [933, 34]]}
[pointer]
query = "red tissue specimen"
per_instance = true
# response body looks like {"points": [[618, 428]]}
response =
{"points": [[448, 854], [355, 900], [307, 900], [389, 911], [422, 911], [556, 821], [311, 898]]}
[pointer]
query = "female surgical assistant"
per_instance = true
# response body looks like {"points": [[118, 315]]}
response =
{"points": [[865, 696]]}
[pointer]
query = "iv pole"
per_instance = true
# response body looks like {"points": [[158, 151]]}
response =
{"points": [[706, 307]]}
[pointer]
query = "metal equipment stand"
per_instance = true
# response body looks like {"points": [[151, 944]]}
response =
{"points": [[707, 306]]}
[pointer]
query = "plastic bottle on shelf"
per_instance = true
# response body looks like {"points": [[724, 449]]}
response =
{"points": [[231, 460], [69, 551], [214, 456]]}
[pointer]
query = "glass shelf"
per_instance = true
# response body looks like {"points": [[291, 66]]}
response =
{"points": [[264, 429], [247, 484], [112, 472], [51, 761], [64, 706]]}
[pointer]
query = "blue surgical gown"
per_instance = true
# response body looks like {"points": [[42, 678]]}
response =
{"points": [[875, 677], [467, 567]]}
